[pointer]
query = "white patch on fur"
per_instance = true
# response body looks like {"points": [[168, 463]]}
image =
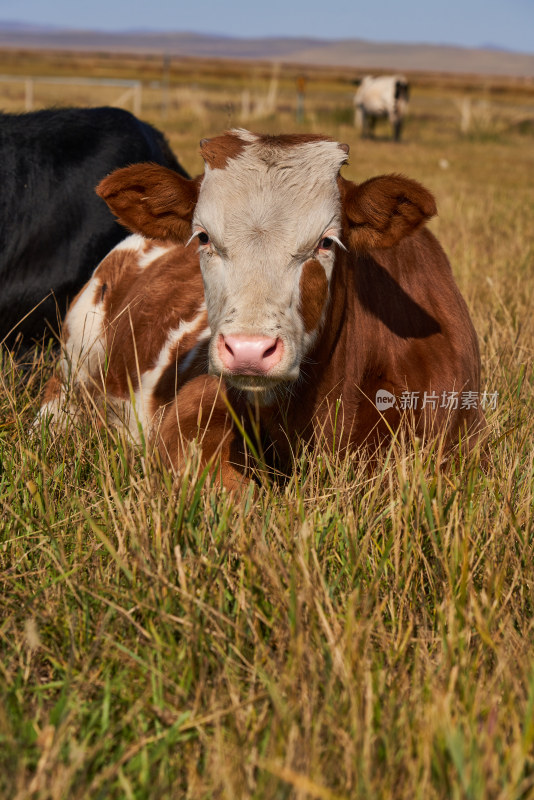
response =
{"points": [[152, 254], [134, 244], [53, 410], [147, 251], [143, 397], [246, 136], [84, 349]]}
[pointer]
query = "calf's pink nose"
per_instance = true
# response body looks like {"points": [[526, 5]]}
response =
{"points": [[250, 355]]}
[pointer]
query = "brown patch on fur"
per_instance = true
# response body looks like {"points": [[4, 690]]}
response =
{"points": [[292, 139], [116, 274], [217, 152], [199, 412], [200, 363], [382, 211], [52, 390], [151, 200], [313, 294], [65, 332], [142, 307]]}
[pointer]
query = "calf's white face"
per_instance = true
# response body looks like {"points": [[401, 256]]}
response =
{"points": [[267, 221]]}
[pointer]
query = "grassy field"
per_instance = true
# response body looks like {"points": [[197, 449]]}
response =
{"points": [[344, 636]]}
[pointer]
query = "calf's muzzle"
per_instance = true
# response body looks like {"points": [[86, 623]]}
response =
{"points": [[242, 354]]}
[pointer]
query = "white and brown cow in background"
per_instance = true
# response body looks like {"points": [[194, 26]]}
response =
{"points": [[384, 96], [268, 283]]}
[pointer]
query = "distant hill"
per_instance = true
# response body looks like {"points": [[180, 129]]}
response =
{"points": [[355, 53]]}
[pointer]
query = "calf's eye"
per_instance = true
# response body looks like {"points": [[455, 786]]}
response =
{"points": [[203, 237], [326, 243]]}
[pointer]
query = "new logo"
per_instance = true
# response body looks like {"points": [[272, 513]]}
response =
{"points": [[384, 400]]}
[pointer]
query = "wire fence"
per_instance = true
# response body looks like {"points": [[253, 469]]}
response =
{"points": [[132, 91]]}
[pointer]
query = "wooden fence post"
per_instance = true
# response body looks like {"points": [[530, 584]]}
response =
{"points": [[29, 94]]}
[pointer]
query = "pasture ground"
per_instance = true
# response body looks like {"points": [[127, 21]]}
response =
{"points": [[342, 636]]}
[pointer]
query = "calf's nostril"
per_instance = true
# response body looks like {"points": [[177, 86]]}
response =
{"points": [[228, 348], [270, 350]]}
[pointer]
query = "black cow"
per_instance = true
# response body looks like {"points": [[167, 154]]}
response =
{"points": [[54, 229]]}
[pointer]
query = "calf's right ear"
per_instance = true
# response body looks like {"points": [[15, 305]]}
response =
{"points": [[151, 200]]}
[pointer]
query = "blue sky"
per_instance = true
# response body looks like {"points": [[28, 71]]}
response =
{"points": [[504, 23]]}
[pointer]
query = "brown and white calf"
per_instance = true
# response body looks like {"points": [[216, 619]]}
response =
{"points": [[272, 285]]}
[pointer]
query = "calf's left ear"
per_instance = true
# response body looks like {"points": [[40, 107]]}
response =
{"points": [[382, 211], [151, 200]]}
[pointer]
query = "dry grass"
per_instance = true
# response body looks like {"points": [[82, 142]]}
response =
{"points": [[343, 636]]}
